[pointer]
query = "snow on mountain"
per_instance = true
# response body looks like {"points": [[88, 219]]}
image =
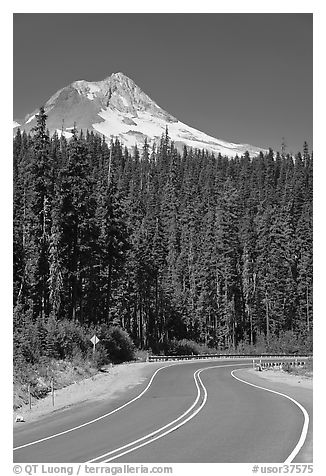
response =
{"points": [[30, 119], [117, 107]]}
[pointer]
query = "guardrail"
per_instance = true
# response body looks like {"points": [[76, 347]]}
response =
{"points": [[165, 358], [260, 365]]}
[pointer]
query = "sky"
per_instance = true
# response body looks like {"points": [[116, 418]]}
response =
{"points": [[244, 78]]}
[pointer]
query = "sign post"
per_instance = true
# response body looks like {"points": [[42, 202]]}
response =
{"points": [[29, 396], [52, 390], [94, 341]]}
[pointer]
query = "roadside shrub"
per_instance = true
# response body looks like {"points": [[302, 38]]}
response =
{"points": [[70, 336], [34, 339], [184, 347], [141, 355], [100, 357], [25, 337], [117, 343]]}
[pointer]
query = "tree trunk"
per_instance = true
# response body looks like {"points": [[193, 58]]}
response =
{"points": [[307, 296], [267, 316], [251, 326], [140, 322]]}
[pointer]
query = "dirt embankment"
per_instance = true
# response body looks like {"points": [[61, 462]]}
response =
{"points": [[103, 385]]}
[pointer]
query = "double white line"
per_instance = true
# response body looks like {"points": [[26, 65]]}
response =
{"points": [[166, 429], [188, 415], [192, 412], [55, 435]]}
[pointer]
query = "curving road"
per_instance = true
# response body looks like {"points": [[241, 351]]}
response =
{"points": [[201, 411]]}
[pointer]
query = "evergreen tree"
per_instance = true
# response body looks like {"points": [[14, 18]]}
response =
{"points": [[38, 217], [167, 246]]}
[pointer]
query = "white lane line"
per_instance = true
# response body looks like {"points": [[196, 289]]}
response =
{"points": [[166, 432], [156, 431], [55, 435], [161, 435], [95, 419], [304, 432]]}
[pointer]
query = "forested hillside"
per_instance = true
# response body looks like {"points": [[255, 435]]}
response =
{"points": [[162, 244]]}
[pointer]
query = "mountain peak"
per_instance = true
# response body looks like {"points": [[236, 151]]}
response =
{"points": [[120, 93], [120, 76], [117, 107]]}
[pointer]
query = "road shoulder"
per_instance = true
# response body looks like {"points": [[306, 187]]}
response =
{"points": [[283, 377], [298, 387], [107, 385]]}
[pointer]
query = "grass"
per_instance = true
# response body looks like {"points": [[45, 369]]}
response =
{"points": [[63, 373], [38, 376]]}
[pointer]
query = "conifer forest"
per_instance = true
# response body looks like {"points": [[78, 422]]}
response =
{"points": [[161, 244]]}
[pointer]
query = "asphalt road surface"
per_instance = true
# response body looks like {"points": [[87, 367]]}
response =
{"points": [[200, 411]]}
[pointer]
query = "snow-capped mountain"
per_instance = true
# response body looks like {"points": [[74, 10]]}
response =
{"points": [[117, 107]]}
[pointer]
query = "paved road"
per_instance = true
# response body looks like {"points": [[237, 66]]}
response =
{"points": [[192, 412]]}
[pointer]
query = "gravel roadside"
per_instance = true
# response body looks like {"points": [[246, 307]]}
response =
{"points": [[284, 377], [107, 384]]}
